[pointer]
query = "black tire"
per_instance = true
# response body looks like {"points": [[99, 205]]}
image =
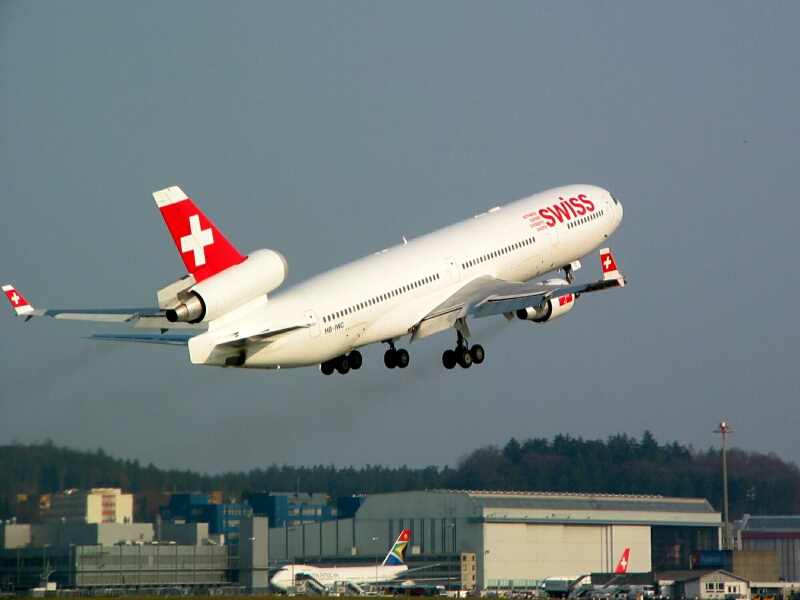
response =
{"points": [[356, 360], [390, 358], [465, 359], [327, 367], [449, 359], [342, 365], [402, 358], [477, 354]]}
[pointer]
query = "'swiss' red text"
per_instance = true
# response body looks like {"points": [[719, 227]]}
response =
{"points": [[567, 210]]}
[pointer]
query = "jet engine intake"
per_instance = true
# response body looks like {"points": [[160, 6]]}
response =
{"points": [[262, 272]]}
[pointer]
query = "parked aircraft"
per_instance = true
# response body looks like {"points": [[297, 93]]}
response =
{"points": [[477, 268], [393, 566], [582, 588]]}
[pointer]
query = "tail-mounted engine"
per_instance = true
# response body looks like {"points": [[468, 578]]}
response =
{"points": [[551, 308], [259, 274]]}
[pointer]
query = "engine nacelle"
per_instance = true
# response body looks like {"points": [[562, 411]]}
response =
{"points": [[260, 273], [550, 309]]}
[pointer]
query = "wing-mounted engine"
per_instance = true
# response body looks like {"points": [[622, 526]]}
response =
{"points": [[190, 302], [550, 308]]}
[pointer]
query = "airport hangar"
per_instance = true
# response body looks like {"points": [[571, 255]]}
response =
{"points": [[508, 539]]}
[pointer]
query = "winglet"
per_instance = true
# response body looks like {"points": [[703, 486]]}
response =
{"points": [[622, 565], [397, 555], [204, 250], [21, 306], [610, 267]]}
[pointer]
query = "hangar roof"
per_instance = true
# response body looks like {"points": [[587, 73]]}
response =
{"points": [[589, 502], [790, 523], [541, 507]]}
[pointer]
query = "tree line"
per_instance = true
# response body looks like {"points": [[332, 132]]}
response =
{"points": [[758, 484]]}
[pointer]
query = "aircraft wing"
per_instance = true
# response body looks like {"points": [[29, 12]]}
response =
{"points": [[487, 296], [153, 317]]}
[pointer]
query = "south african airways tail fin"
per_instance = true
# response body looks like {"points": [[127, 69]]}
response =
{"points": [[397, 555]]}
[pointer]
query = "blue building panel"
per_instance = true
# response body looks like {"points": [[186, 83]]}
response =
{"points": [[290, 509], [195, 508]]}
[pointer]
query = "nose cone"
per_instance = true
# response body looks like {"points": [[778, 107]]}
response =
{"points": [[278, 581], [617, 208]]}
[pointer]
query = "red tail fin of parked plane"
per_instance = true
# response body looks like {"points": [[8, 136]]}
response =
{"points": [[204, 250], [622, 565]]}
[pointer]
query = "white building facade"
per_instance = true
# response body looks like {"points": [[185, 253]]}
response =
{"points": [[98, 505]]}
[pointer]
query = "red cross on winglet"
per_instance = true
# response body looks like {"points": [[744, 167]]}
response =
{"points": [[21, 306], [610, 267]]}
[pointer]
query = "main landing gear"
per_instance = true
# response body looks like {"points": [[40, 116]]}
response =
{"points": [[343, 363], [569, 270], [463, 355], [396, 358]]}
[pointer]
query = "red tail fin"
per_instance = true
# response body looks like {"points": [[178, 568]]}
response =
{"points": [[204, 250], [622, 565]]}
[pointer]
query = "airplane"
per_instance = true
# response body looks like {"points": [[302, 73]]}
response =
{"points": [[583, 588], [392, 567], [225, 310]]}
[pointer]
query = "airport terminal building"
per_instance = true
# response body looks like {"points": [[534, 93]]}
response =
{"points": [[485, 540]]}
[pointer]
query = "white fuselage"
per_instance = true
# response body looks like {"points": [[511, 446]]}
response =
{"points": [[381, 297], [329, 575]]}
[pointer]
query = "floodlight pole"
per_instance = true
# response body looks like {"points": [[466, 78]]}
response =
{"points": [[724, 430]]}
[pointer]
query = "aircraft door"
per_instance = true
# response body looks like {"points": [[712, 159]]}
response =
{"points": [[609, 207], [313, 324], [451, 264]]}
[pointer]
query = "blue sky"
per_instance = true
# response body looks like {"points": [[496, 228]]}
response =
{"points": [[329, 130]]}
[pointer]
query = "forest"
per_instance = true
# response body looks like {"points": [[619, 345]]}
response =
{"points": [[758, 484]]}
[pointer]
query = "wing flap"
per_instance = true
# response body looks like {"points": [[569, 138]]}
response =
{"points": [[534, 294]]}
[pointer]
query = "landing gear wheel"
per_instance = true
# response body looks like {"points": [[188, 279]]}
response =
{"points": [[342, 365], [356, 360], [464, 359], [477, 354], [449, 359], [390, 358], [402, 358], [327, 367]]}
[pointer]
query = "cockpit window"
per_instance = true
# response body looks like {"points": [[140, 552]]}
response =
{"points": [[614, 199]]}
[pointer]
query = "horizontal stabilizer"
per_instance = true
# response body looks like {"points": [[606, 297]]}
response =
{"points": [[169, 340]]}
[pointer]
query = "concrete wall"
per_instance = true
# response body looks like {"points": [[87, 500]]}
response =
{"points": [[14, 536], [254, 559], [756, 565], [186, 534], [87, 534]]}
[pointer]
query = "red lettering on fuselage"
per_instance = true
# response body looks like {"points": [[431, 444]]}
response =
{"points": [[560, 212], [578, 206], [548, 218], [566, 210]]}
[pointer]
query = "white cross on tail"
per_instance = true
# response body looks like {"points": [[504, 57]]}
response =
{"points": [[197, 240]]}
